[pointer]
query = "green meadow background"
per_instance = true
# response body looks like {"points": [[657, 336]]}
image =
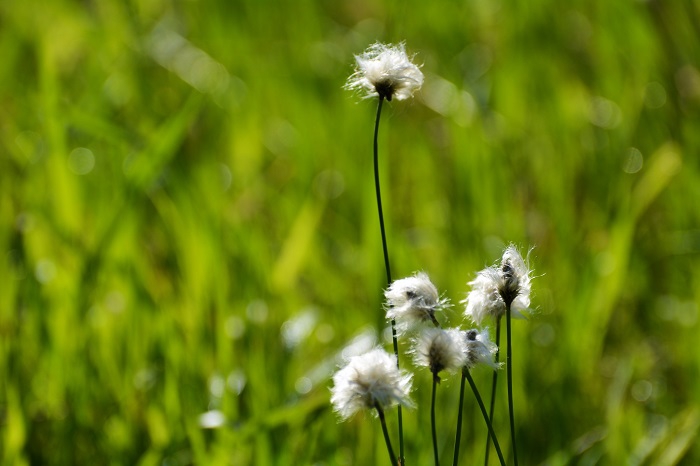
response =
{"points": [[189, 236]]}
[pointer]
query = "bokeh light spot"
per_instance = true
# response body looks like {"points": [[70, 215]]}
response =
{"points": [[257, 311], [543, 335], [303, 385], [642, 390], [234, 327], [655, 95], [634, 160], [212, 419], [81, 161], [45, 270], [236, 381], [604, 113]]}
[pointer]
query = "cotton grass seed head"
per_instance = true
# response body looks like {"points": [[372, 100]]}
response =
{"points": [[371, 380], [412, 300], [385, 71], [516, 279], [497, 287], [440, 350], [479, 349], [484, 299]]}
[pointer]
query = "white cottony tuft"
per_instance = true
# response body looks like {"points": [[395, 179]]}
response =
{"points": [[517, 279], [497, 287], [484, 299], [440, 349], [385, 71], [412, 300], [371, 380], [480, 349]]}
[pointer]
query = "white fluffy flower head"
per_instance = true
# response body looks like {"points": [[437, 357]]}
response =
{"points": [[371, 380], [480, 349], [516, 277], [412, 300], [497, 287], [484, 299], [440, 350], [385, 71]]}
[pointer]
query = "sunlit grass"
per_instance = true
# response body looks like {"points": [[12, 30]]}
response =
{"points": [[231, 191]]}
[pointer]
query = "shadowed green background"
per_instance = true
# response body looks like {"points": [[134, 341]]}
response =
{"points": [[189, 235]]}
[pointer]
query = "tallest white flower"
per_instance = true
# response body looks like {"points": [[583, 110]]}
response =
{"points": [[385, 71]]}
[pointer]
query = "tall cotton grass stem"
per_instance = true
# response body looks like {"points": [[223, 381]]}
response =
{"points": [[385, 248], [494, 381], [436, 379], [468, 376], [509, 364], [392, 456], [458, 435], [378, 191]]}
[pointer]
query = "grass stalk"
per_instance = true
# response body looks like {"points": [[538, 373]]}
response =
{"points": [[392, 456], [432, 420], [494, 381], [509, 372], [387, 266], [458, 434], [468, 376]]}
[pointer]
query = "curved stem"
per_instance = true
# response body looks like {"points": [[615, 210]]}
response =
{"points": [[378, 190], [432, 420], [492, 407], [458, 435], [468, 376], [509, 358], [385, 248], [392, 456]]}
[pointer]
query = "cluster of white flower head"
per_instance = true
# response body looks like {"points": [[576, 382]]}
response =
{"points": [[370, 381], [412, 300], [385, 71], [497, 287], [373, 380]]}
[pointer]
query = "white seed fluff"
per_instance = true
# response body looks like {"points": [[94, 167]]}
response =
{"points": [[440, 349], [412, 300], [385, 70], [495, 286], [521, 278], [368, 381], [484, 299], [480, 349]]}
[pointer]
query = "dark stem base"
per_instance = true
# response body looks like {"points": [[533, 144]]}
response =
{"points": [[509, 366], [468, 376], [494, 381]]}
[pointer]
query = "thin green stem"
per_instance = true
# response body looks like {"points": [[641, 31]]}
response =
{"points": [[468, 376], [432, 420], [392, 456], [385, 248], [509, 362], [492, 407], [378, 190], [458, 435]]}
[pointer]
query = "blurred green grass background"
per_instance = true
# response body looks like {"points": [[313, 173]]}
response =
{"points": [[189, 235]]}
